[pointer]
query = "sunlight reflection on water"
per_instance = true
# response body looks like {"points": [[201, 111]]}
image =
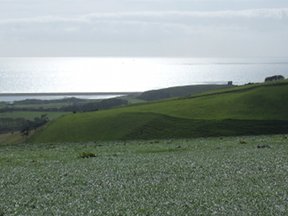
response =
{"points": [[129, 74]]}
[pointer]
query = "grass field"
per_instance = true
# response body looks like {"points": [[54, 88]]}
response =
{"points": [[212, 176], [253, 109], [45, 106], [30, 115], [11, 138]]}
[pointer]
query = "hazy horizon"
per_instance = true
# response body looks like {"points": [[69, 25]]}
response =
{"points": [[44, 75], [144, 28]]}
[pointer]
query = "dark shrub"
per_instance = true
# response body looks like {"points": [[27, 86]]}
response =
{"points": [[263, 146], [87, 155], [274, 78]]}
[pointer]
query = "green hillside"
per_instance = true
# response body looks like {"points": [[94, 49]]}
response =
{"points": [[252, 109], [179, 91]]}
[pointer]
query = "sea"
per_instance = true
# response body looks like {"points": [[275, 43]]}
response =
{"points": [[40, 78]]}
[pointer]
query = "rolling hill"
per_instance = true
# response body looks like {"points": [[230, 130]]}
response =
{"points": [[244, 110], [178, 91]]}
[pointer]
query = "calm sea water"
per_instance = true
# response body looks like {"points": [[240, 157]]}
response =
{"points": [[41, 75]]}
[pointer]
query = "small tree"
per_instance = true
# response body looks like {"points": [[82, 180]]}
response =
{"points": [[274, 78]]}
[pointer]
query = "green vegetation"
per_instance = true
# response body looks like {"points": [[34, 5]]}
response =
{"points": [[96, 105], [11, 138], [62, 105], [20, 115], [86, 155], [11, 122], [203, 176], [251, 109], [274, 78], [149, 170], [40, 105], [178, 91], [2, 104], [17, 115], [30, 115]]}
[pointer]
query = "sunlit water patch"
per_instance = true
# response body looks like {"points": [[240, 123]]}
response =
{"points": [[35, 75]]}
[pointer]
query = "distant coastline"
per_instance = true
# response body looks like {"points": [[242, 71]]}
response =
{"points": [[67, 93], [11, 97]]}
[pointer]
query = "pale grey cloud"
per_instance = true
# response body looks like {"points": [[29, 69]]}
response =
{"points": [[275, 13], [143, 27]]}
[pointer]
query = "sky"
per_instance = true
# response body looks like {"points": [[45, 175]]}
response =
{"points": [[147, 28]]}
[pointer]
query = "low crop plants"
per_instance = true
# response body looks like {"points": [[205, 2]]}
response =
{"points": [[202, 176]]}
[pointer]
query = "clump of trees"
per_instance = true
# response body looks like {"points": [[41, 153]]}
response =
{"points": [[274, 78], [34, 124], [77, 105], [12, 124], [25, 126], [95, 106]]}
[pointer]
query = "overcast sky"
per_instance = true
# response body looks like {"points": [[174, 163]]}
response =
{"points": [[176, 28]]}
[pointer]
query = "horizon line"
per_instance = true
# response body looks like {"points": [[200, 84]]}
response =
{"points": [[66, 93]]}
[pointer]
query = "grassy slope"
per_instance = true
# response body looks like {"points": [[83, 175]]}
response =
{"points": [[178, 91], [30, 115], [237, 111], [11, 138], [259, 103]]}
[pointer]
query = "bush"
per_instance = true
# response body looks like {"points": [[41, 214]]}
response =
{"points": [[263, 146], [87, 155], [274, 78]]}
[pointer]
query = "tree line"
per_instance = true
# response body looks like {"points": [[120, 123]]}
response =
{"points": [[75, 107], [23, 125]]}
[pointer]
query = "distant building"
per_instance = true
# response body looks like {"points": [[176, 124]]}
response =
{"points": [[230, 83]]}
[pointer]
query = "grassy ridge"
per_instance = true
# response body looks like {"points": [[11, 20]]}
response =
{"points": [[178, 91], [259, 103], [243, 110]]}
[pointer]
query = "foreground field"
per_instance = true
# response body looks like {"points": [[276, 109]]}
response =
{"points": [[212, 176]]}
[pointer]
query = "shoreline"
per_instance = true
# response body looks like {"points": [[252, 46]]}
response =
{"points": [[67, 94], [12, 97]]}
